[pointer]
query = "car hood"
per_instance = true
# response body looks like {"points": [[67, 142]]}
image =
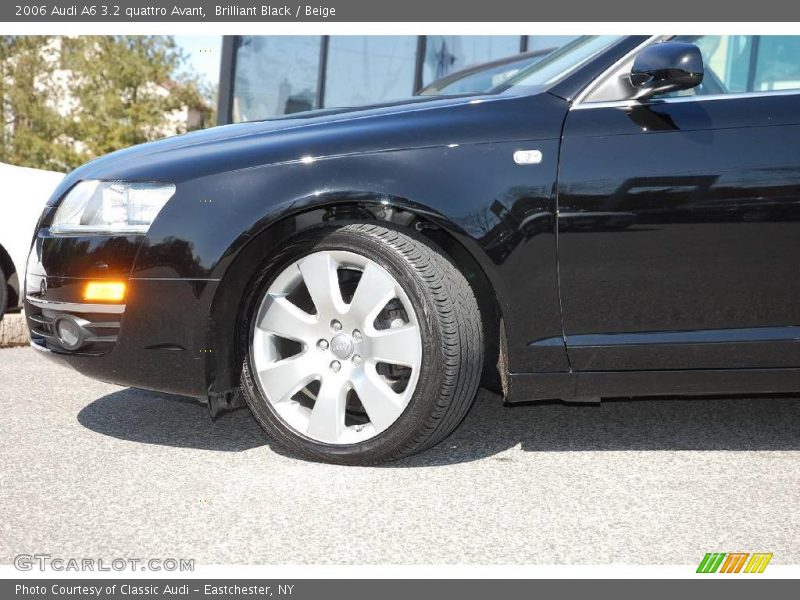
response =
{"points": [[412, 123], [325, 117]]}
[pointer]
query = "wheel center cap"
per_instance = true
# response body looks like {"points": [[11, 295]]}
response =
{"points": [[342, 346]]}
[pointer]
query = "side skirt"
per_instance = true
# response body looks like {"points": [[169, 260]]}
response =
{"points": [[590, 386]]}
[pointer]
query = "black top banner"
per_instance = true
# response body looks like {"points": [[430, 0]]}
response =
{"points": [[402, 11]]}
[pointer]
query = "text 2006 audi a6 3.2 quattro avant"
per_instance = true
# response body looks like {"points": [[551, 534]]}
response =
{"points": [[622, 218]]}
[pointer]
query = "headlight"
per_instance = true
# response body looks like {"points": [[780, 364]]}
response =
{"points": [[111, 207]]}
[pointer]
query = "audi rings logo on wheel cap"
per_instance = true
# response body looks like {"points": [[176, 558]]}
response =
{"points": [[342, 346]]}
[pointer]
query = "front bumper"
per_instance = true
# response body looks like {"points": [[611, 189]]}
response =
{"points": [[97, 325], [156, 340]]}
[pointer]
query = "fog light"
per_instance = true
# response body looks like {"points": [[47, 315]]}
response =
{"points": [[68, 332], [105, 291]]}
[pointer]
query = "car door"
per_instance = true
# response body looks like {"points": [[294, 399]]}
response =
{"points": [[679, 217]]}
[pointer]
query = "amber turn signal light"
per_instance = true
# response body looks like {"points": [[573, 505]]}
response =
{"points": [[105, 291]]}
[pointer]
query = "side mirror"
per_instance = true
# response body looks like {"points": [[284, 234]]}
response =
{"points": [[666, 67]]}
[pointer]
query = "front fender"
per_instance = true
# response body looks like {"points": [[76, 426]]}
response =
{"points": [[501, 213]]}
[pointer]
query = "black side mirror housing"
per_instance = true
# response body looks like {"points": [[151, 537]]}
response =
{"points": [[666, 67]]}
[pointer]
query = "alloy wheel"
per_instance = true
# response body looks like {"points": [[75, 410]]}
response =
{"points": [[336, 347]]}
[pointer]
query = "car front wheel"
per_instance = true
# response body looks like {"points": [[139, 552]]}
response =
{"points": [[361, 344]]}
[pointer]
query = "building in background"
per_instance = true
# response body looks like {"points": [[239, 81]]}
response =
{"points": [[268, 76]]}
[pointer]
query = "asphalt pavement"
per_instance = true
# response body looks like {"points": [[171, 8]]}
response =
{"points": [[92, 469]]}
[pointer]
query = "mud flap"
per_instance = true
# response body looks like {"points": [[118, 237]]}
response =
{"points": [[219, 404]]}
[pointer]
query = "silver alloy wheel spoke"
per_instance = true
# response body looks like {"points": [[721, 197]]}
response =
{"points": [[340, 348], [322, 280], [375, 288], [396, 346], [286, 377], [287, 320], [326, 422], [381, 403]]}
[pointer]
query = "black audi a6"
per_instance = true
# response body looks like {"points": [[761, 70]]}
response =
{"points": [[619, 219]]}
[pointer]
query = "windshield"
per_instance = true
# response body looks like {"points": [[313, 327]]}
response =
{"points": [[482, 80], [562, 62]]}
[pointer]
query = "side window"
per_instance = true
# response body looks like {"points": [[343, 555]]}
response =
{"points": [[727, 60], [777, 63], [738, 64], [734, 64]]}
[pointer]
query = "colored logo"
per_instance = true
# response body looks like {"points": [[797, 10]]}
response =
{"points": [[734, 562]]}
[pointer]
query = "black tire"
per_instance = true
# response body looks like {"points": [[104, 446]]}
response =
{"points": [[451, 332], [3, 294]]}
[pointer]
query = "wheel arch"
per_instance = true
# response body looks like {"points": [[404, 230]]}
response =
{"points": [[223, 363]]}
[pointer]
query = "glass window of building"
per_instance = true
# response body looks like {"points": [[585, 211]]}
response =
{"points": [[279, 75], [447, 53], [368, 69], [275, 75]]}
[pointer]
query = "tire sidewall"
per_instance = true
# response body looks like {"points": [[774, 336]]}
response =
{"points": [[426, 394]]}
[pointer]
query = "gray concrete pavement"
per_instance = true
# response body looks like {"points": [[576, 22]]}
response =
{"points": [[91, 469], [13, 330]]}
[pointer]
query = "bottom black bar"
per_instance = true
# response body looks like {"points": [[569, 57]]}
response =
{"points": [[386, 589]]}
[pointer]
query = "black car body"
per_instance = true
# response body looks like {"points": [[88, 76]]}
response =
{"points": [[616, 246]]}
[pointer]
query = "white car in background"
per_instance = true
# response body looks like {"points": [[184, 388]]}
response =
{"points": [[23, 193]]}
